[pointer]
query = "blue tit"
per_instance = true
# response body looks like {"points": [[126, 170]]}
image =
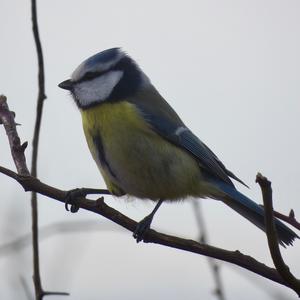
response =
{"points": [[142, 147]]}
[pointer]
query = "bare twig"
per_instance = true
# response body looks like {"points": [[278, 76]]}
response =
{"points": [[203, 238], [278, 261], [17, 150], [39, 293]]}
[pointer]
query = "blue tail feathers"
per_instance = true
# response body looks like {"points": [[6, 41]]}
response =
{"points": [[253, 212]]}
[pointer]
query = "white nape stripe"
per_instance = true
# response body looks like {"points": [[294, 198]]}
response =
{"points": [[180, 130], [98, 89]]}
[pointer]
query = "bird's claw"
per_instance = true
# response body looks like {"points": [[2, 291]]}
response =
{"points": [[142, 228], [71, 197]]}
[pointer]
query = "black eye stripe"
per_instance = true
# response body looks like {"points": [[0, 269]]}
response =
{"points": [[91, 75], [124, 63]]}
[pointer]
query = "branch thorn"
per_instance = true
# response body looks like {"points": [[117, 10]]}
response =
{"points": [[24, 146], [292, 214]]}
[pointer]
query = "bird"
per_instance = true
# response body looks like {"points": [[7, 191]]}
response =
{"points": [[142, 147]]}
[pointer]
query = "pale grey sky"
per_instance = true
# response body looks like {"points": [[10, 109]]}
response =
{"points": [[229, 68]]}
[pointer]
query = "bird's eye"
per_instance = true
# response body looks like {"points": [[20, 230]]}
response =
{"points": [[90, 75]]}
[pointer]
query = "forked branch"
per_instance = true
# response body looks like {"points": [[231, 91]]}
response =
{"points": [[278, 261]]}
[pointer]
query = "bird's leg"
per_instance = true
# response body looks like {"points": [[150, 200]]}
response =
{"points": [[144, 225], [72, 195]]}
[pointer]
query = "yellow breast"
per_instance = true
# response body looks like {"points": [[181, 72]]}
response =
{"points": [[141, 163], [115, 124]]}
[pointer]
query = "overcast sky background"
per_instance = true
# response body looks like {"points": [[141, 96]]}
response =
{"points": [[231, 71]]}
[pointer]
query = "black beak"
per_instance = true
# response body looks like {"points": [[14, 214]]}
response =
{"points": [[66, 85]]}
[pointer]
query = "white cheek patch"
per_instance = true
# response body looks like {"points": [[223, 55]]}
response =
{"points": [[98, 89]]}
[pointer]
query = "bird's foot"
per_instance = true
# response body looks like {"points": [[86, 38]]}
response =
{"points": [[71, 199], [73, 195], [142, 228]]}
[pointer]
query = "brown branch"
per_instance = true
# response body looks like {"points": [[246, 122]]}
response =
{"points": [[278, 261], [203, 238], [30, 183], [17, 150]]}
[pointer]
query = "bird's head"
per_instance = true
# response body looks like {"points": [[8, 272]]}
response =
{"points": [[110, 75]]}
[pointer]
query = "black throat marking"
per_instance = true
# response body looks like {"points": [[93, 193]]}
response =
{"points": [[97, 140]]}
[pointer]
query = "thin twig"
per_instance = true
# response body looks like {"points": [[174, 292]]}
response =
{"points": [[39, 293], [17, 150], [278, 261], [203, 238]]}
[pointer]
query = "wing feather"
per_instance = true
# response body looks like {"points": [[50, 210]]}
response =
{"points": [[164, 120]]}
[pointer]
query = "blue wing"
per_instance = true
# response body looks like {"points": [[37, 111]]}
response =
{"points": [[164, 120], [167, 124]]}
